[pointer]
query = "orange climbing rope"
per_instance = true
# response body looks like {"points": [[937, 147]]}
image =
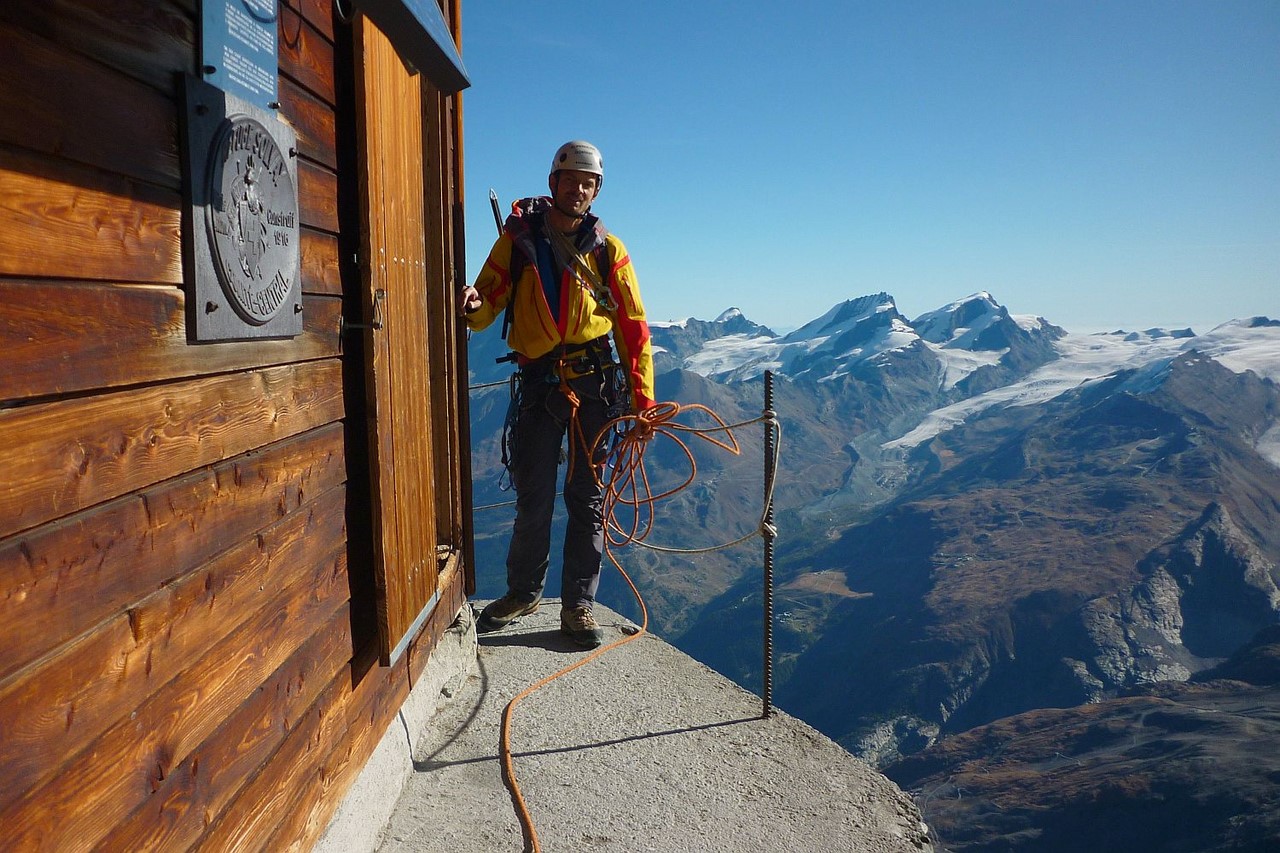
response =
{"points": [[624, 483]]}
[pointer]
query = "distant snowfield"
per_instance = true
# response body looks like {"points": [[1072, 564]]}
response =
{"points": [[839, 336], [1239, 347], [959, 363], [850, 333], [1086, 358], [750, 356], [746, 357], [726, 354]]}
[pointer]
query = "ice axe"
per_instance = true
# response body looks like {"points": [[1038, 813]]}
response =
{"points": [[497, 214], [506, 318]]}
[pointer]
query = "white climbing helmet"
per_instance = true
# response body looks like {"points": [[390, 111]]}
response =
{"points": [[579, 155]]}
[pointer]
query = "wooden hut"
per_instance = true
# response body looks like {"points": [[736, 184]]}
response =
{"points": [[223, 561]]}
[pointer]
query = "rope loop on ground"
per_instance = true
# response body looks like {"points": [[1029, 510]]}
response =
{"points": [[624, 482]]}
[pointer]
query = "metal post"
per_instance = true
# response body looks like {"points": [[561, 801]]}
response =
{"points": [[770, 452]]}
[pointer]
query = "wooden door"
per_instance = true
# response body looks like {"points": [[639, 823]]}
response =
{"points": [[407, 307]]}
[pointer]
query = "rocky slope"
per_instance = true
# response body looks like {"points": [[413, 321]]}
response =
{"points": [[1168, 766], [1041, 557]]}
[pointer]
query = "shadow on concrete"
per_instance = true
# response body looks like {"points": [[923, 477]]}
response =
{"points": [[428, 765], [552, 641], [421, 764]]}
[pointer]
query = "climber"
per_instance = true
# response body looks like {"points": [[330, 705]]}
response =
{"points": [[565, 284]]}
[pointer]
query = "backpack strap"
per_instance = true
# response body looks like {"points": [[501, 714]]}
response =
{"points": [[603, 264]]}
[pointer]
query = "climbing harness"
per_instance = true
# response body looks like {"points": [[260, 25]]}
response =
{"points": [[558, 369], [625, 483]]}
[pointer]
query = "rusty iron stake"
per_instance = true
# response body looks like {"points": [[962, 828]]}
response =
{"points": [[770, 452]]}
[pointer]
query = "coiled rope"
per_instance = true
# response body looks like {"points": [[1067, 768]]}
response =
{"points": [[624, 482]]}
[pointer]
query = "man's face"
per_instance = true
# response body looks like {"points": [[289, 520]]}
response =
{"points": [[574, 190]]}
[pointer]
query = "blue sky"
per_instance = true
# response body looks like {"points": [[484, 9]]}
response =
{"points": [[1103, 164]]}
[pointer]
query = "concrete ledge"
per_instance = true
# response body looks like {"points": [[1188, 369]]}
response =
{"points": [[366, 810], [644, 749]]}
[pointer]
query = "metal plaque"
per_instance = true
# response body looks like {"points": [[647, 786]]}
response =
{"points": [[238, 51], [241, 229]]}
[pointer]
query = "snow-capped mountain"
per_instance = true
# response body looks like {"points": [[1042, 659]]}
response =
{"points": [[1239, 345], [972, 336], [851, 333], [982, 345], [675, 343], [968, 340]]}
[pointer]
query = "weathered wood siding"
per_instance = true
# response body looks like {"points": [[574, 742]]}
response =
{"points": [[186, 567]]}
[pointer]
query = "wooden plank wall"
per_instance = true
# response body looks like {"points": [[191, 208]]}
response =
{"points": [[181, 668]]}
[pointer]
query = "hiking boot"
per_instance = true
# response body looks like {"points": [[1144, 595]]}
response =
{"points": [[581, 626], [503, 611]]}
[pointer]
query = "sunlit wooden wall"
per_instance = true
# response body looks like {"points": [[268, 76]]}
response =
{"points": [[189, 659]]}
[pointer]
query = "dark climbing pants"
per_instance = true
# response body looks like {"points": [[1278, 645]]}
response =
{"points": [[540, 433]]}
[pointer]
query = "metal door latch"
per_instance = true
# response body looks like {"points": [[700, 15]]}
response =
{"points": [[378, 296]]}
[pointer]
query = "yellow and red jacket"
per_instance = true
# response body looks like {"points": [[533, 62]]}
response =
{"points": [[535, 332]]}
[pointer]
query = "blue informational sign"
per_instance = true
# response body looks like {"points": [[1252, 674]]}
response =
{"points": [[238, 48]]}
